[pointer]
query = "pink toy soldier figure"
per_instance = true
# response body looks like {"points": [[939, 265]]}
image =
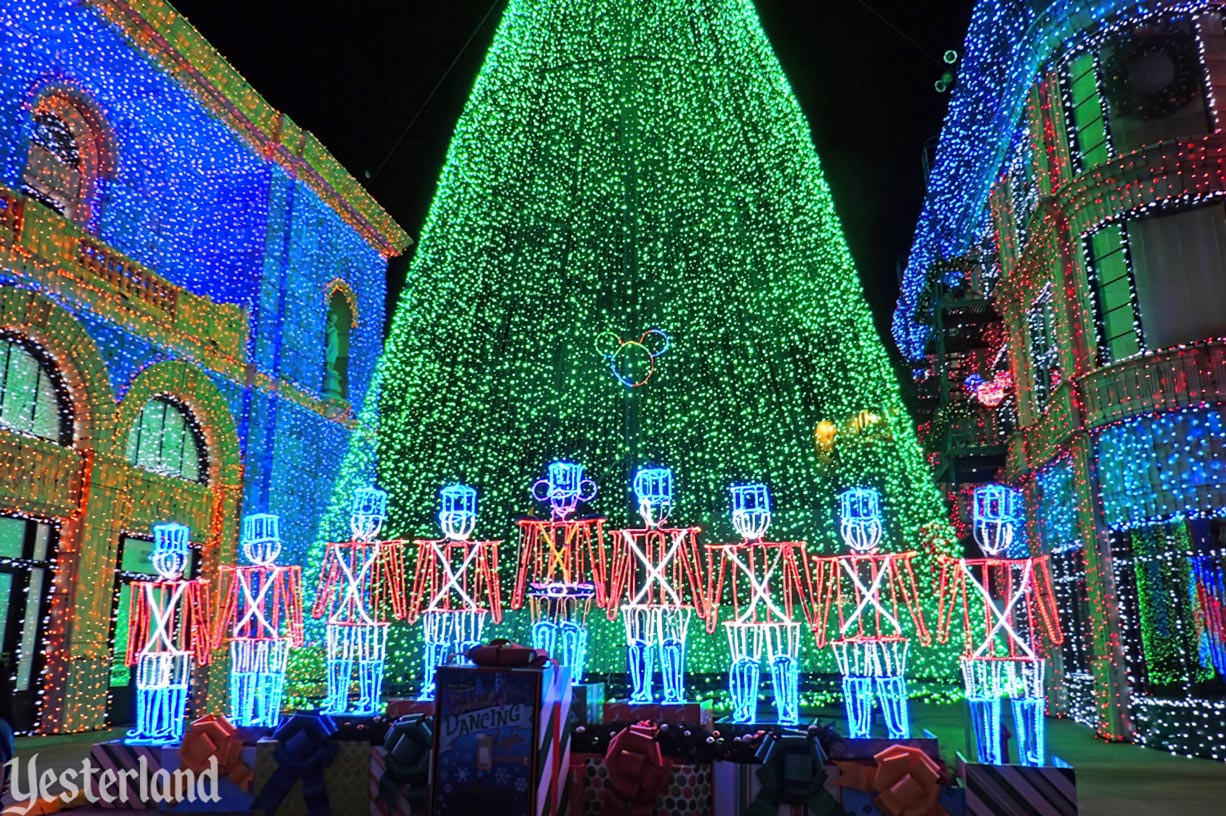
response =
{"points": [[1005, 604], [168, 628], [361, 588], [870, 590], [263, 613]]}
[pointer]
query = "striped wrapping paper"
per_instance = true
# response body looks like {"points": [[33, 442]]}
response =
{"points": [[119, 757], [389, 804], [1016, 790], [553, 745]]}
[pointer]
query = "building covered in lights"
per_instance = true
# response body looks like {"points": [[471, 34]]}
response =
{"points": [[1064, 307], [191, 304]]}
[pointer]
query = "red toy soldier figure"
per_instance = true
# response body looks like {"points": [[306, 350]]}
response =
{"points": [[455, 584], [168, 627], [1005, 604], [657, 571], [765, 578], [870, 589], [263, 611], [361, 587]]}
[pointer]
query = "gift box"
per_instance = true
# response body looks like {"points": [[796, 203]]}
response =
{"points": [[398, 707], [301, 769], [501, 744], [624, 711], [1014, 790], [689, 790], [400, 768], [121, 761], [869, 747], [587, 704], [901, 780], [213, 742], [736, 786]]}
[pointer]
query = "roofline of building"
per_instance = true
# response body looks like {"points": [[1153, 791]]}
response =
{"points": [[185, 55], [1007, 43]]}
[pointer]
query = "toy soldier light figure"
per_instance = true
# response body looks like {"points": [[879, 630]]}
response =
{"points": [[1005, 604], [168, 627], [361, 588], [263, 613], [870, 590], [455, 584], [765, 578], [561, 567], [657, 570]]}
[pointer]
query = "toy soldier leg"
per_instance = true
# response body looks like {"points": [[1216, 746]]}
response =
{"points": [[983, 690], [745, 644], [372, 655], [152, 679], [270, 682], [544, 626], [855, 662], [1027, 696], [639, 654], [572, 637], [341, 648], [243, 681], [176, 698], [891, 674], [783, 653], [436, 626], [466, 632], [671, 627]]}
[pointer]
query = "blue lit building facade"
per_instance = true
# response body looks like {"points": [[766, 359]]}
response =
{"points": [[191, 306], [1064, 309]]}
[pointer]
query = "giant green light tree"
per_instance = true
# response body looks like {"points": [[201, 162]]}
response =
{"points": [[622, 167]]}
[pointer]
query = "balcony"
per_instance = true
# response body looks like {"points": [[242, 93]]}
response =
{"points": [[968, 448]]}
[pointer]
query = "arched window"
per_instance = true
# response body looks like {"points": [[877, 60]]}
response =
{"points": [[31, 400], [65, 157], [336, 356], [165, 440]]}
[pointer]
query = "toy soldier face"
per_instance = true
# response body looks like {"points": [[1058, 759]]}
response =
{"points": [[653, 487], [997, 511], [564, 487], [860, 519], [262, 539], [368, 513], [169, 556], [751, 510], [458, 512]]}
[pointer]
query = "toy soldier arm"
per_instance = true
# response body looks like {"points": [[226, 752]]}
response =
{"points": [[423, 568], [1045, 600], [905, 576], [327, 579], [391, 566], [619, 570], [227, 603], [798, 581], [529, 539], [596, 557], [196, 609], [715, 584], [138, 614], [489, 564], [950, 587], [827, 582], [691, 563], [293, 604]]}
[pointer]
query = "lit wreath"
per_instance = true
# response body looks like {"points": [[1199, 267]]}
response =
{"points": [[1130, 52]]}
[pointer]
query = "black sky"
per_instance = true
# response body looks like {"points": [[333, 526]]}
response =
{"points": [[355, 72]]}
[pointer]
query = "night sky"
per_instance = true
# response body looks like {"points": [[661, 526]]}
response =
{"points": [[355, 73]]}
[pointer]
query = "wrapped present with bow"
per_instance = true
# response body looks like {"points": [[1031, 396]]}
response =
{"points": [[789, 777], [902, 780], [213, 741], [634, 777], [303, 771], [503, 653], [400, 768]]}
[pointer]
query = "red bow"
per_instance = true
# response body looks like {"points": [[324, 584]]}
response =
{"points": [[907, 781], [638, 771], [502, 652], [213, 736]]}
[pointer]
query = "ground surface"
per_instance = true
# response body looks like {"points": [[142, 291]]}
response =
{"points": [[1112, 778]]}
